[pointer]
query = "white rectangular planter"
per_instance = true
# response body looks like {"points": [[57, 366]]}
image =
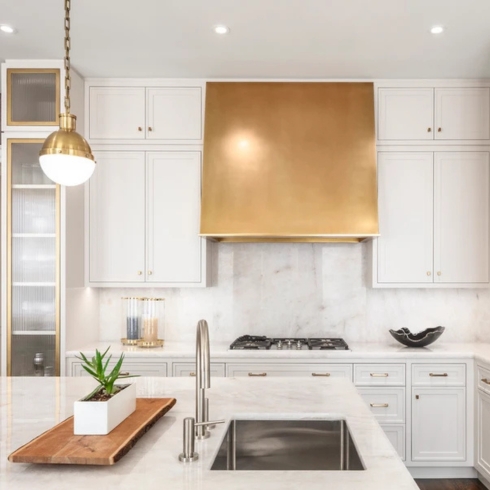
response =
{"points": [[99, 418]]}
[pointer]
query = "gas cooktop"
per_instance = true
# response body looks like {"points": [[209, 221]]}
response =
{"points": [[253, 342]]}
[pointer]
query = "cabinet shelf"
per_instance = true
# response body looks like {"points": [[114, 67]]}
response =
{"points": [[35, 332], [35, 284], [34, 186], [33, 235]]}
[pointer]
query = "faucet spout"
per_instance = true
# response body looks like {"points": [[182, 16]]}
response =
{"points": [[203, 378]]}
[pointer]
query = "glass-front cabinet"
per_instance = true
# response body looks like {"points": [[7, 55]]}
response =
{"points": [[33, 97], [33, 263]]}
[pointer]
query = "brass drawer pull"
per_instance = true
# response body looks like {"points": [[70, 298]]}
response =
{"points": [[192, 374], [380, 405], [124, 374], [257, 374], [320, 374], [379, 375], [437, 375], [486, 381]]}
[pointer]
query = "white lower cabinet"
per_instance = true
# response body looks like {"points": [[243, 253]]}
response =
{"points": [[483, 434], [130, 366], [438, 424], [262, 370], [387, 404], [396, 435], [181, 369]]}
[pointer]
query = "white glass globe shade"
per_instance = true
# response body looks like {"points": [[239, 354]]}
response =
{"points": [[67, 169]]}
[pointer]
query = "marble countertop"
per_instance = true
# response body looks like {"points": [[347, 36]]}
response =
{"points": [[358, 351], [30, 406]]}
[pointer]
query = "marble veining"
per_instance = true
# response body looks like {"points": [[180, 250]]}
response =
{"points": [[304, 290], [153, 464]]}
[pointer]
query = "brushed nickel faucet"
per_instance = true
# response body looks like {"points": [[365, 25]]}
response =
{"points": [[203, 378], [198, 427]]}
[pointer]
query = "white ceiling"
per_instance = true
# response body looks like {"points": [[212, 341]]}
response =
{"points": [[268, 38]]}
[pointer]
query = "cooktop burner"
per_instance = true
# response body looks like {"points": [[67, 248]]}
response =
{"points": [[251, 342]]}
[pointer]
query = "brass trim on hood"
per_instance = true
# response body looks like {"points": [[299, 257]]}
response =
{"points": [[289, 162]]}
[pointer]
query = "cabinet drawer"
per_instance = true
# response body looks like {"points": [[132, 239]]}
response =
{"points": [[315, 370], [140, 368], [483, 377], [189, 369], [396, 435], [379, 374], [438, 375], [387, 404]]}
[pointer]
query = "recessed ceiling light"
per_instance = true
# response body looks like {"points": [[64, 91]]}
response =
{"points": [[221, 29], [7, 29], [437, 30]]}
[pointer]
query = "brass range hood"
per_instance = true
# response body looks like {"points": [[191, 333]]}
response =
{"points": [[289, 162]]}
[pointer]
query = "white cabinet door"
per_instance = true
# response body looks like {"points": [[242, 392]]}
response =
{"points": [[461, 197], [117, 113], [483, 433], [174, 202], [438, 424], [462, 113], [396, 435], [405, 193], [117, 218], [175, 113], [405, 113]]}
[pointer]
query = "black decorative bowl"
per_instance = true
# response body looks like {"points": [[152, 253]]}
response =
{"points": [[421, 339]]}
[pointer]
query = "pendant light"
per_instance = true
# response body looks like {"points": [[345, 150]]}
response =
{"points": [[66, 157]]}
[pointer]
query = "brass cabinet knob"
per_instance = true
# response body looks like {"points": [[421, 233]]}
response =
{"points": [[429, 273], [150, 273], [439, 273], [139, 273], [429, 130], [150, 128], [140, 128], [439, 130]]}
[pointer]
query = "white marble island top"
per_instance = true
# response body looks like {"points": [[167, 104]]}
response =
{"points": [[29, 406]]}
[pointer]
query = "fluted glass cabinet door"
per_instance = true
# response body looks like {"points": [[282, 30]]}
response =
{"points": [[33, 262], [33, 97]]}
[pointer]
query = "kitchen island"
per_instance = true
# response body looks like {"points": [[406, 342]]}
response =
{"points": [[31, 406]]}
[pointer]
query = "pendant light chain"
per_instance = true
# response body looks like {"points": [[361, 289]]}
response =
{"points": [[67, 56]]}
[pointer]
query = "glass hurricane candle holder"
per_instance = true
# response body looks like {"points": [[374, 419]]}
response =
{"points": [[131, 324], [152, 322]]}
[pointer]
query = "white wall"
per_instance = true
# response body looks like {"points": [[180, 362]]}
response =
{"points": [[304, 290]]}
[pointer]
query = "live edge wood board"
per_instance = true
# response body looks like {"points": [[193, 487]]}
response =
{"points": [[60, 446]]}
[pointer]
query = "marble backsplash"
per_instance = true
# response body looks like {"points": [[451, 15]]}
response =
{"points": [[304, 290]]}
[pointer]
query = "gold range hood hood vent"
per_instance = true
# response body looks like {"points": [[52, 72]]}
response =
{"points": [[289, 162]]}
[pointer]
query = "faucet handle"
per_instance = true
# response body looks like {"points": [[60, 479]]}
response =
{"points": [[208, 423]]}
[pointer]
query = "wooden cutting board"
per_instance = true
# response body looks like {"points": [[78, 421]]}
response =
{"points": [[60, 446]]}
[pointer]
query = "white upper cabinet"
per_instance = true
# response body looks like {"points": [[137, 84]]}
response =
{"points": [[117, 218], [405, 190], [117, 113], [433, 114], [174, 204], [462, 113], [433, 219], [405, 113], [165, 115], [143, 226], [461, 217], [174, 113]]}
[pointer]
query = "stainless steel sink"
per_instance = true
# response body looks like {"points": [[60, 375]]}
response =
{"points": [[294, 445]]}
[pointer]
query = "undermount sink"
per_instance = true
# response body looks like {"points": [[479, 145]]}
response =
{"points": [[294, 445]]}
